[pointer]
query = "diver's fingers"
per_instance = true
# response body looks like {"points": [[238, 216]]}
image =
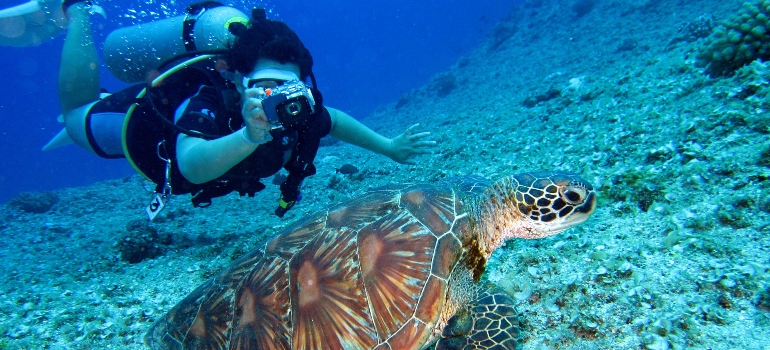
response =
{"points": [[252, 103], [409, 129], [420, 151], [252, 108], [423, 144], [419, 136]]}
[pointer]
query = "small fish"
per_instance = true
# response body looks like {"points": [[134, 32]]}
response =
{"points": [[347, 169]]}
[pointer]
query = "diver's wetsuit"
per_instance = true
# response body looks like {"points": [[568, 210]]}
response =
{"points": [[206, 113], [293, 148]]}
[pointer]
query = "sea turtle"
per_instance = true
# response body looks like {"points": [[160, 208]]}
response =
{"points": [[396, 268]]}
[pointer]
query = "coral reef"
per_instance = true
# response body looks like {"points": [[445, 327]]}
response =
{"points": [[738, 41], [548, 95], [577, 89], [501, 33], [754, 79], [444, 83], [696, 29], [141, 241], [37, 203], [627, 44], [582, 7]]}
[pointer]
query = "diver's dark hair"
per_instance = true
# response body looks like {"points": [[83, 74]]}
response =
{"points": [[264, 38]]}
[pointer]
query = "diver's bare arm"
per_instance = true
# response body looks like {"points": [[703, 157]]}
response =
{"points": [[347, 129], [205, 160], [402, 148]]}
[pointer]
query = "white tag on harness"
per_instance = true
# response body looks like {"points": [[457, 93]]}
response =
{"points": [[156, 205]]}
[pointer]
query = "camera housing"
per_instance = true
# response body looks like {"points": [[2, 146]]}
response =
{"points": [[288, 104]]}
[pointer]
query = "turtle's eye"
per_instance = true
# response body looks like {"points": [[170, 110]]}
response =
{"points": [[573, 193]]}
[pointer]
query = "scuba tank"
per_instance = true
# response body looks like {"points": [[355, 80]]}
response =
{"points": [[133, 53]]}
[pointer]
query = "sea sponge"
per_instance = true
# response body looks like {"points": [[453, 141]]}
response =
{"points": [[738, 41]]}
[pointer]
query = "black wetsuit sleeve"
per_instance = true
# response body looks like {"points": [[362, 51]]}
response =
{"points": [[323, 123], [201, 112]]}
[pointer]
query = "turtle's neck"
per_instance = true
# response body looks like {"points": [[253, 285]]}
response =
{"points": [[495, 217]]}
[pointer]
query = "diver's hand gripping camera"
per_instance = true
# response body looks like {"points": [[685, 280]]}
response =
{"points": [[288, 104]]}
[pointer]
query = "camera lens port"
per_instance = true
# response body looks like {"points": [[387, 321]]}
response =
{"points": [[294, 108]]}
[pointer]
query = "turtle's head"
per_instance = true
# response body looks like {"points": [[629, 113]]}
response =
{"points": [[536, 205], [553, 201]]}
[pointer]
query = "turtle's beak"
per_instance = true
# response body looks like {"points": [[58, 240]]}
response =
{"points": [[584, 211], [579, 215]]}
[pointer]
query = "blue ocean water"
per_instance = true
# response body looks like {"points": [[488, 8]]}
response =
{"points": [[367, 53]]}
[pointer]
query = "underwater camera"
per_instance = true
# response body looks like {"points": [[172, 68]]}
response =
{"points": [[288, 104]]}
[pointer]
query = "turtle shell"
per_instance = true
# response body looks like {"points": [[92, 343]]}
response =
{"points": [[370, 273]]}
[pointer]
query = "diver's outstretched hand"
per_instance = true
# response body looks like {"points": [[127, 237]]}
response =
{"points": [[407, 145]]}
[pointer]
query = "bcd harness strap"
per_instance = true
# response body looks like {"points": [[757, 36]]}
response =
{"points": [[188, 25]]}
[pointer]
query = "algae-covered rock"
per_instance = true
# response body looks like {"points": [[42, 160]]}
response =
{"points": [[37, 203], [141, 241], [754, 80], [738, 41], [694, 30]]}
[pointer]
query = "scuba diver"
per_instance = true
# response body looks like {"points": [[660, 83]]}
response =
{"points": [[243, 107]]}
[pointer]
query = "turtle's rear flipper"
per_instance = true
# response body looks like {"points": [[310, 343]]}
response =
{"points": [[489, 322]]}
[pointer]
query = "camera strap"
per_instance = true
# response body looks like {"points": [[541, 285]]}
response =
{"points": [[301, 165]]}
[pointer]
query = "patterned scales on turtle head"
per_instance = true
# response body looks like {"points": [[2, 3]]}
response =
{"points": [[391, 269]]}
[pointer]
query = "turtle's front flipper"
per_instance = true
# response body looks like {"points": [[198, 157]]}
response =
{"points": [[489, 322]]}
